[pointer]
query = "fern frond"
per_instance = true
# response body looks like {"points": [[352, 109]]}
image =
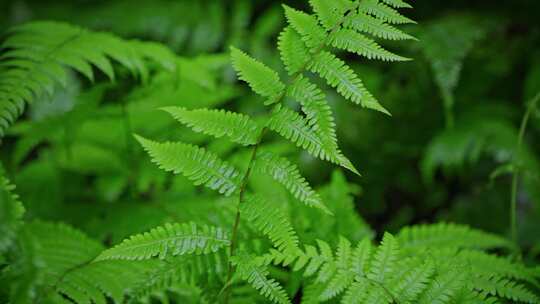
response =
{"points": [[11, 212], [96, 280], [344, 276], [36, 53], [411, 279], [61, 247], [169, 240], [355, 42], [307, 26], [289, 176], [506, 289], [340, 76], [316, 108], [295, 128], [444, 235], [356, 293], [330, 13], [397, 3], [293, 51], [257, 276], [263, 80], [198, 165], [383, 12], [486, 264], [375, 27], [218, 123], [270, 221], [195, 270], [384, 259], [445, 285]]}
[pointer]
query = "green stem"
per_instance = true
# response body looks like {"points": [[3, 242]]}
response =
{"points": [[243, 186], [448, 100], [515, 176]]}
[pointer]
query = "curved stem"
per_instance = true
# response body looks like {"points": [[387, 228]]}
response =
{"points": [[515, 176], [234, 238]]}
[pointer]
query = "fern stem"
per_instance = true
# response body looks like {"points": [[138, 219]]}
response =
{"points": [[515, 176], [234, 237]]}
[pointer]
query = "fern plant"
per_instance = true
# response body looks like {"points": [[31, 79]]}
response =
{"points": [[249, 247], [35, 54]]}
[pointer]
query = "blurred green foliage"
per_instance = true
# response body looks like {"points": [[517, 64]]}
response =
{"points": [[447, 153]]}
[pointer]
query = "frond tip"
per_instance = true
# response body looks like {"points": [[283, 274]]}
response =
{"points": [[169, 240], [263, 80]]}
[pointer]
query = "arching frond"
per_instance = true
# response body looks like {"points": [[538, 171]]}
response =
{"points": [[11, 212], [293, 51], [505, 288], [271, 221], [316, 108], [330, 13], [307, 26], [297, 129], [198, 165], [169, 240], [449, 235], [289, 176], [263, 80], [237, 127], [36, 53], [370, 25], [257, 276], [355, 42], [340, 76], [383, 12]]}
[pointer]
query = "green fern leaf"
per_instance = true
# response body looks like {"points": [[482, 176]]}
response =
{"points": [[307, 26], [373, 26], [218, 123], [11, 212], [340, 76], [411, 279], [355, 42], [330, 13], [384, 260], [257, 276], [289, 176], [445, 286], [198, 165], [449, 235], [397, 3], [506, 289], [37, 52], [316, 108], [293, 51], [263, 80], [356, 293], [486, 264], [383, 12], [295, 128], [169, 240], [104, 278], [344, 276], [270, 221]]}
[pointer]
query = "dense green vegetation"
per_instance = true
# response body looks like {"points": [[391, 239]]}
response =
{"points": [[321, 151]]}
